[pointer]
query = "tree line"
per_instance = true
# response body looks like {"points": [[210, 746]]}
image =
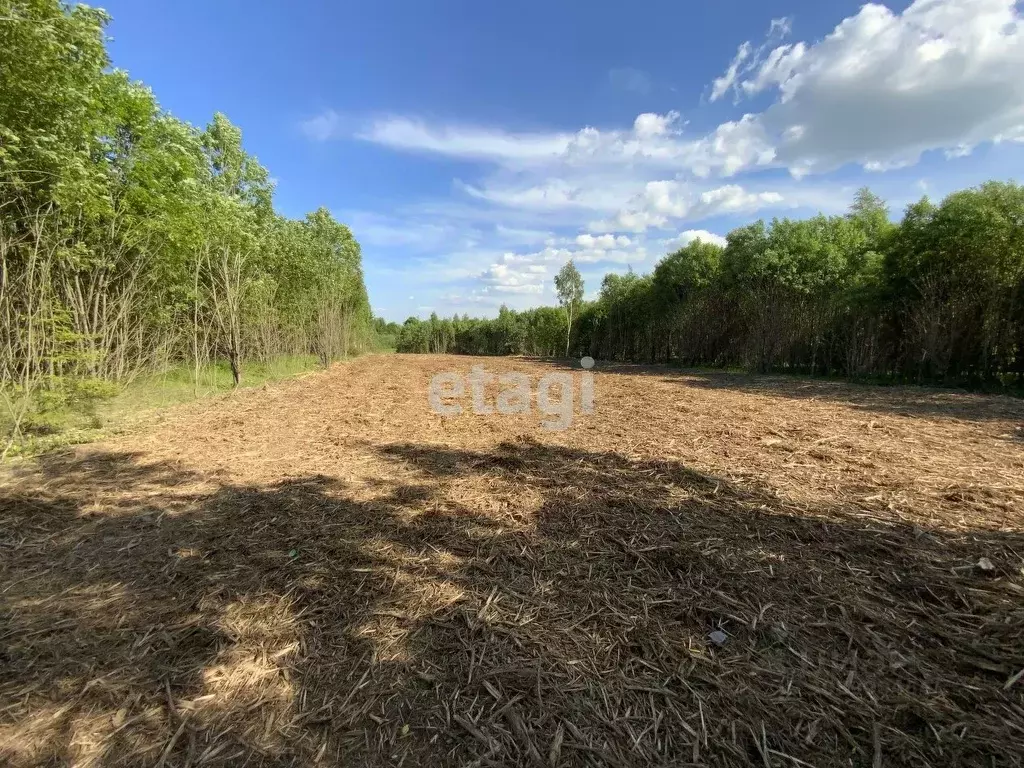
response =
{"points": [[936, 297], [131, 240]]}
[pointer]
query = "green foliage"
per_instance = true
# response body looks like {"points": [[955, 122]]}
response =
{"points": [[682, 275], [569, 286], [386, 334], [53, 61], [538, 332], [938, 296], [67, 402], [131, 241], [57, 420]]}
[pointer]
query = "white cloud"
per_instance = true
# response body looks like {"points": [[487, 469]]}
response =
{"points": [[961, 150], [723, 84], [878, 91], [463, 141], [650, 124], [780, 28], [685, 238], [551, 253], [522, 278], [527, 274], [552, 193], [746, 58], [883, 88], [507, 278], [668, 200], [326, 125], [521, 235], [620, 200], [602, 242], [520, 273], [733, 199], [655, 141], [633, 221], [634, 255]]}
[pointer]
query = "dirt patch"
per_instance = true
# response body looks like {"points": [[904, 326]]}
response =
{"points": [[706, 570]]}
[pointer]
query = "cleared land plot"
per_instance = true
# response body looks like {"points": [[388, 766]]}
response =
{"points": [[325, 570]]}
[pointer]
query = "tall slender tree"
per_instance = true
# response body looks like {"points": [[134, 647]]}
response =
{"points": [[569, 285]]}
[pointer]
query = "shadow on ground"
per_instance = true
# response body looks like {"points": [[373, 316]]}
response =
{"points": [[899, 400], [896, 400], [153, 616]]}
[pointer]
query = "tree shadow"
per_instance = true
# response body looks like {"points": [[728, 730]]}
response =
{"points": [[529, 604], [899, 400]]}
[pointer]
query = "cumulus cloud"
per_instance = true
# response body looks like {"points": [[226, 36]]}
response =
{"points": [[636, 254], [504, 278], [650, 124], [602, 242], [522, 273], [878, 91], [882, 88], [685, 238], [530, 273], [525, 276], [662, 202], [733, 199]]}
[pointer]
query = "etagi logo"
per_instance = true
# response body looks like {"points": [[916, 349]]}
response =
{"points": [[554, 394]]}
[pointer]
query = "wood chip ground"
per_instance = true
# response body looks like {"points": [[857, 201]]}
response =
{"points": [[324, 572]]}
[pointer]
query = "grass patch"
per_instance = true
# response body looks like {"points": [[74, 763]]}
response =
{"points": [[180, 385], [64, 418]]}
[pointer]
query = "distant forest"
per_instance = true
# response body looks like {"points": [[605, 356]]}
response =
{"points": [[131, 240], [937, 297]]}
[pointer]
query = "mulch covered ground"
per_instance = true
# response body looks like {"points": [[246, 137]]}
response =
{"points": [[709, 569]]}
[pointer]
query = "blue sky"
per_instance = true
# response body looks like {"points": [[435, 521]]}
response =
{"points": [[473, 147]]}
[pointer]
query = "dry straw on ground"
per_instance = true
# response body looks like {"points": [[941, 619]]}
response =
{"points": [[325, 572]]}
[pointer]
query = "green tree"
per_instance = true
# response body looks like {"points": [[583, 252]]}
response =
{"points": [[681, 282], [131, 241], [569, 286]]}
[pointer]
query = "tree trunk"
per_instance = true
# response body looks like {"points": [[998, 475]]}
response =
{"points": [[568, 331], [236, 372]]}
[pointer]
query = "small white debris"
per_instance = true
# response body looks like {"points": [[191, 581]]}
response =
{"points": [[718, 637], [985, 565], [1013, 679]]}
